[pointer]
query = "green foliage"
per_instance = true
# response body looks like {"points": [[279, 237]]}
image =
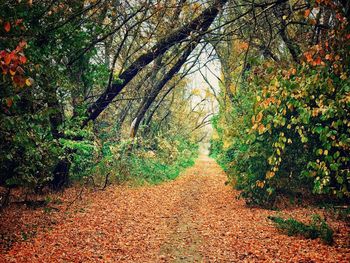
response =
{"points": [[28, 152], [294, 138], [317, 229], [161, 163], [37, 124]]}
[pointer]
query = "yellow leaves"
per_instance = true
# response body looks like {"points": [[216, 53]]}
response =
{"points": [[343, 76], [215, 135], [232, 88], [253, 119], [227, 144], [258, 98], [29, 81], [278, 151], [196, 92], [276, 83]]}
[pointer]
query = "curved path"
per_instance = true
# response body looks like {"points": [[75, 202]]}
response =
{"points": [[195, 218]]}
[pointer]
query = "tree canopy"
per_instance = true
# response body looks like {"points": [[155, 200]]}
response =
{"points": [[89, 88]]}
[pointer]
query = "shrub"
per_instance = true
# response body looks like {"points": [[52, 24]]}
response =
{"points": [[317, 229]]}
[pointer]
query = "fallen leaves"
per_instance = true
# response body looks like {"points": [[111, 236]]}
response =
{"points": [[195, 218]]}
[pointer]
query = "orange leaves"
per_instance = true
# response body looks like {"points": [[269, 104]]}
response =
{"points": [[256, 122], [307, 13], [317, 61], [164, 224], [259, 116], [308, 56], [253, 119], [260, 184], [261, 129], [270, 174], [313, 57], [243, 45], [11, 63]]}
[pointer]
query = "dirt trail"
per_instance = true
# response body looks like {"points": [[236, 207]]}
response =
{"points": [[195, 218]]}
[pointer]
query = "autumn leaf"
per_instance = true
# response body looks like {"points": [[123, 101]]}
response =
{"points": [[18, 22], [270, 174], [261, 129], [29, 81], [9, 102], [7, 59], [22, 44], [259, 116], [7, 26], [253, 119], [308, 56], [307, 13], [260, 184], [317, 61], [12, 72], [23, 59]]}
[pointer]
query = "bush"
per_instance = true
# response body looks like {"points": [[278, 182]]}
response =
{"points": [[317, 229]]}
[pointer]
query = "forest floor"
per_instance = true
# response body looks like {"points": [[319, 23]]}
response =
{"points": [[195, 218]]}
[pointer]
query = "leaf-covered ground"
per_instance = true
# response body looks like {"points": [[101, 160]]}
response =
{"points": [[195, 218]]}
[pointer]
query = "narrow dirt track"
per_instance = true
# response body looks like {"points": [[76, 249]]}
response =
{"points": [[195, 218]]}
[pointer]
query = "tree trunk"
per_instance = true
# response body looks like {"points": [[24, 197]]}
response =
{"points": [[145, 105], [202, 23]]}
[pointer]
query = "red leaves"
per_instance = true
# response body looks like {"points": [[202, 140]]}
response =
{"points": [[9, 102], [317, 61], [23, 59], [18, 24], [7, 26], [11, 63]]}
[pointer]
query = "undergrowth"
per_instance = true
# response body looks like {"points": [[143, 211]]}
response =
{"points": [[318, 228]]}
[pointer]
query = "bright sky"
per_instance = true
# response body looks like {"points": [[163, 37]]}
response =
{"points": [[211, 71]]}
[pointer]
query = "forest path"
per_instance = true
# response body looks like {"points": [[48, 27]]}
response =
{"points": [[195, 218]]}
